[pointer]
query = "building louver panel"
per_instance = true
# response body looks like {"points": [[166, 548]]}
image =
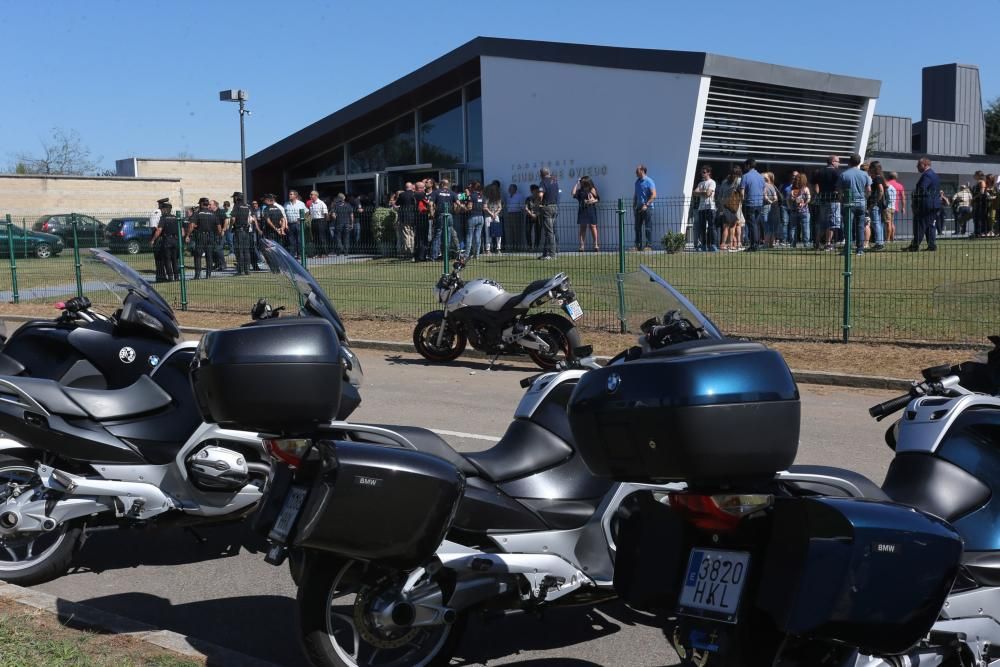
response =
{"points": [[778, 123]]}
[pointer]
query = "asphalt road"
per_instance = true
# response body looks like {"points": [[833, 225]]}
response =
{"points": [[223, 592]]}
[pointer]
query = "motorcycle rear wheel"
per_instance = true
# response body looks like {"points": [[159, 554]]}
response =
{"points": [[425, 336], [327, 596], [561, 336], [33, 558]]}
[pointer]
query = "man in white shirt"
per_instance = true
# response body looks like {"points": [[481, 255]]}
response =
{"points": [[513, 217], [295, 212], [319, 212], [704, 228]]}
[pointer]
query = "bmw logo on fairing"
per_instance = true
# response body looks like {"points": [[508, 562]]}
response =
{"points": [[614, 381], [154, 360], [127, 355]]}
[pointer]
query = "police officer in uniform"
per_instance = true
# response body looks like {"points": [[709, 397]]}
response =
{"points": [[156, 242], [242, 220], [165, 243], [206, 229]]}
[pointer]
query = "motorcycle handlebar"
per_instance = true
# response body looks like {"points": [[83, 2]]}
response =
{"points": [[885, 409]]}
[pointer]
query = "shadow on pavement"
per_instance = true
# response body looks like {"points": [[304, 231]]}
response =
{"points": [[261, 626], [502, 364], [129, 548]]}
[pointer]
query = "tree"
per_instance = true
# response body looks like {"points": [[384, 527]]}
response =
{"points": [[63, 153], [992, 113]]}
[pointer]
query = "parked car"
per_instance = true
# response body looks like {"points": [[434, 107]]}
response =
{"points": [[29, 243], [89, 231], [129, 235]]}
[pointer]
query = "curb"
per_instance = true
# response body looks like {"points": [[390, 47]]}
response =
{"points": [[804, 377], [95, 619]]}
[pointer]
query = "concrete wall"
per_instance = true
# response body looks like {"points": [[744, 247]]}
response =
{"points": [[215, 179], [33, 196], [579, 119], [140, 183]]}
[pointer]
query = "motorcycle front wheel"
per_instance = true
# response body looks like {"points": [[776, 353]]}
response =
{"points": [[426, 333], [32, 558], [559, 333], [335, 597]]}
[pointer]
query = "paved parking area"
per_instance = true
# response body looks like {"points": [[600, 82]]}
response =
{"points": [[223, 592]]}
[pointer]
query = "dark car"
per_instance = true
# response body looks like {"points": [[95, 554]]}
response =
{"points": [[129, 235], [28, 243], [89, 231]]}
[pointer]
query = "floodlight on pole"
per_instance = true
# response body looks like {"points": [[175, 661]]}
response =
{"points": [[241, 97]]}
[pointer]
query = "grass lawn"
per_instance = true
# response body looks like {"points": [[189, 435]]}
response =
{"points": [[32, 638], [950, 295]]}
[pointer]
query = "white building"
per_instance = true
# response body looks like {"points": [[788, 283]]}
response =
{"points": [[503, 108]]}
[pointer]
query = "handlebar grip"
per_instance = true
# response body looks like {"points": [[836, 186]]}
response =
{"points": [[890, 406]]}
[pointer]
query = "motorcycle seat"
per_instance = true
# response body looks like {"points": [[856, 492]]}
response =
{"points": [[142, 396], [47, 393], [425, 441], [533, 287], [526, 448]]}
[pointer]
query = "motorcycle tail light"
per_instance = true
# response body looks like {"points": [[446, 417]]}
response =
{"points": [[718, 513], [288, 451]]}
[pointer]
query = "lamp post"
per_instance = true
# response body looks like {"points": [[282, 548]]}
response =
{"points": [[241, 97]]}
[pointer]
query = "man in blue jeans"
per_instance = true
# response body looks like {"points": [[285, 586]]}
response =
{"points": [[642, 205], [855, 188], [753, 202], [926, 206]]}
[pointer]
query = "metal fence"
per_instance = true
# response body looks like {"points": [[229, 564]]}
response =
{"points": [[369, 270]]}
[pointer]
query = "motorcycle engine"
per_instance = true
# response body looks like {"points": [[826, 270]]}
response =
{"points": [[214, 468]]}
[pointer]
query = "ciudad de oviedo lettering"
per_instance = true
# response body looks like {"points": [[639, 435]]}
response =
{"points": [[527, 172]]}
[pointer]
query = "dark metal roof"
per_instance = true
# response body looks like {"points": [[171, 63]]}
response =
{"points": [[466, 58]]}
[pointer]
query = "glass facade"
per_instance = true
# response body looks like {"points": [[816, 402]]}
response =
{"points": [[474, 122], [441, 131], [323, 167], [390, 145]]}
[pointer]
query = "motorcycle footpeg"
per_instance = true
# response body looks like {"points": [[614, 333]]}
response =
{"points": [[276, 555]]}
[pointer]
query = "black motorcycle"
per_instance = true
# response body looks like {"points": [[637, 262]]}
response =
{"points": [[86, 349]]}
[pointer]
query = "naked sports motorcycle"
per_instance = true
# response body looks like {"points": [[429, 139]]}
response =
{"points": [[497, 322], [84, 459]]}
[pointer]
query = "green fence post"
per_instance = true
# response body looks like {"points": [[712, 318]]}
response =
{"points": [[302, 241], [13, 260], [74, 223], [621, 266], [446, 235], [848, 228], [180, 259]]}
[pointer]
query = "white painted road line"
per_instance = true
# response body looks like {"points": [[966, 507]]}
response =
{"points": [[470, 436]]}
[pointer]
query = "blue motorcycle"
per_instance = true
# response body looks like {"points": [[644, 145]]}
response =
{"points": [[760, 562]]}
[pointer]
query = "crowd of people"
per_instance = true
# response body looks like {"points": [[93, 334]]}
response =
{"points": [[749, 210]]}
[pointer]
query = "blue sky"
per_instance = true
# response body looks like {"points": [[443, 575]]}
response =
{"points": [[141, 77]]}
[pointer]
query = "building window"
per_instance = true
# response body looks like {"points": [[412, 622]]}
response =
{"points": [[474, 122], [441, 131], [326, 165], [391, 145]]}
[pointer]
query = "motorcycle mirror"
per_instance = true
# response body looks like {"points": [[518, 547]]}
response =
{"points": [[936, 372]]}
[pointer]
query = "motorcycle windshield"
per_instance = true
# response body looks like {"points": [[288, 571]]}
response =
{"points": [[312, 299], [642, 295], [111, 272]]}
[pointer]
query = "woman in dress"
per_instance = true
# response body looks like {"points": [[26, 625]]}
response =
{"points": [[585, 193]]}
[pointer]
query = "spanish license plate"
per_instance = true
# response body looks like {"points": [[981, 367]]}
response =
{"points": [[289, 512], [714, 583], [574, 310]]}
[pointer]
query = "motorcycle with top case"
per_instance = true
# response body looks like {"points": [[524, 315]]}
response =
{"points": [[91, 459]]}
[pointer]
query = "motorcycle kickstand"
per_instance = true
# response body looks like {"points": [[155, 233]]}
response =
{"points": [[493, 362]]}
